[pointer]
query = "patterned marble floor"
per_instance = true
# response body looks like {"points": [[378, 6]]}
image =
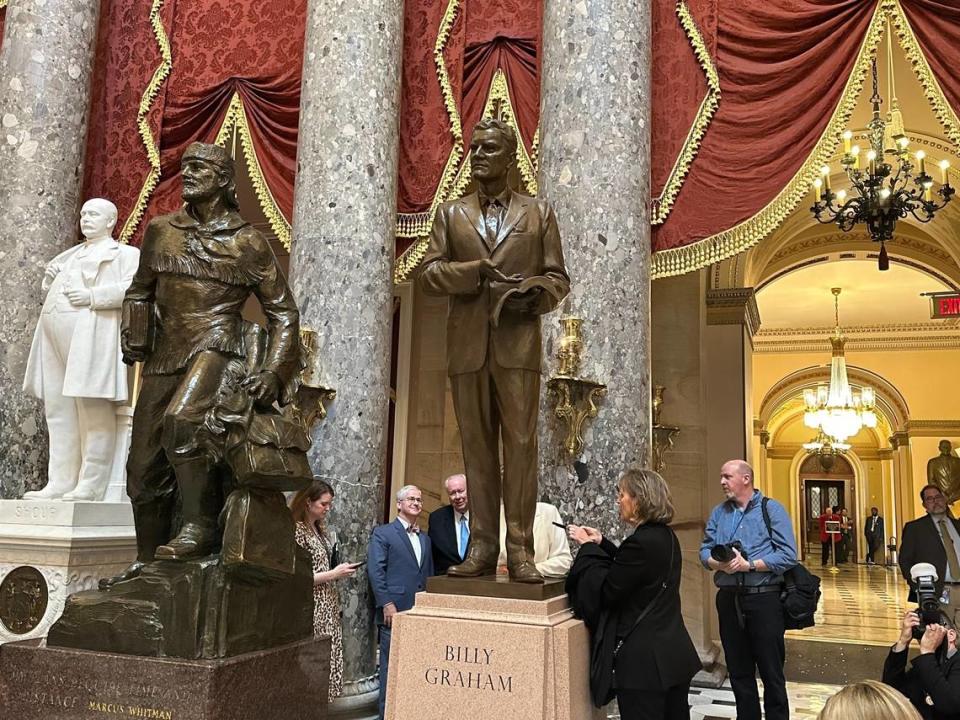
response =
{"points": [[806, 701], [860, 603]]}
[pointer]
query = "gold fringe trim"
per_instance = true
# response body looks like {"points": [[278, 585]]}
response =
{"points": [[418, 224], [931, 88], [236, 121], [677, 261], [146, 134], [662, 205]]}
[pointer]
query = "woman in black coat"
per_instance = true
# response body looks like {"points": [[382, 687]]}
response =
{"points": [[656, 660]]}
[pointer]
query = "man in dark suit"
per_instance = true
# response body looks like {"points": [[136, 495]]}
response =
{"points": [[873, 531], [399, 561], [934, 539], [497, 255], [450, 526]]}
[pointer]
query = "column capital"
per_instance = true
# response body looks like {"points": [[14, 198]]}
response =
{"points": [[733, 306], [900, 439]]}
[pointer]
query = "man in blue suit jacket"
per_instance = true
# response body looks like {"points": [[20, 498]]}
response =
{"points": [[399, 561], [450, 526]]}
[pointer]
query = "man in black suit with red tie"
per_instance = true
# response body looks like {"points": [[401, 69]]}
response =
{"points": [[450, 526]]}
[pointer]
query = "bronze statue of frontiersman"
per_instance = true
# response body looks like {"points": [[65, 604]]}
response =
{"points": [[182, 319]]}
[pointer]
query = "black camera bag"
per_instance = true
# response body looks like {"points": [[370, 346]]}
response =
{"points": [[801, 589]]}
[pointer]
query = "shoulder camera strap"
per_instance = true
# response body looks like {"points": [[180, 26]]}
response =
{"points": [[649, 607]]}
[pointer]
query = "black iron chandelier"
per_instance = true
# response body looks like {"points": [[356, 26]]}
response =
{"points": [[884, 189]]}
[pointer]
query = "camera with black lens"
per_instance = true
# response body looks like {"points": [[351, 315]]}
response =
{"points": [[924, 576], [725, 552]]}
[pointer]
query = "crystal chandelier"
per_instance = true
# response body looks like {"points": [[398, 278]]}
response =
{"points": [[835, 409], [886, 189]]}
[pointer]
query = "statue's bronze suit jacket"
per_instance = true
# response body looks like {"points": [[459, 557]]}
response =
{"points": [[528, 244], [483, 359]]}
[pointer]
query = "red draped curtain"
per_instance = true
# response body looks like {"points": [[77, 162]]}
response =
{"points": [[196, 72], [748, 99], [3, 17]]}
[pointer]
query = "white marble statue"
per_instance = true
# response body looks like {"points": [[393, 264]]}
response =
{"points": [[75, 365]]}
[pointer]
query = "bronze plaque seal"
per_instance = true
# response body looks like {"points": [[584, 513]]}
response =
{"points": [[23, 599]]}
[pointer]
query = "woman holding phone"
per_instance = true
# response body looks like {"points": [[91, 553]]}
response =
{"points": [[309, 509], [653, 658]]}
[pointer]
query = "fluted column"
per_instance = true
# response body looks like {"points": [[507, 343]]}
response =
{"points": [[341, 271], [45, 66], [594, 168]]}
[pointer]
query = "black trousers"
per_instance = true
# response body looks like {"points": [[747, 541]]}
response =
{"points": [[671, 704], [758, 645], [873, 544], [824, 552]]}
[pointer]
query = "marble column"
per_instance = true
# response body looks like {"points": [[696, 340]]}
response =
{"points": [[46, 63], [594, 168], [341, 269]]}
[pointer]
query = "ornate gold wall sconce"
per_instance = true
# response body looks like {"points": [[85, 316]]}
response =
{"points": [[663, 435], [312, 397], [575, 397]]}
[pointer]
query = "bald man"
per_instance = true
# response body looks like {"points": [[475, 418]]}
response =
{"points": [[75, 365], [749, 582]]}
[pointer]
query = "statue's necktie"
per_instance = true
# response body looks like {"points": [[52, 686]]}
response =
{"points": [[491, 218], [952, 563], [464, 536]]}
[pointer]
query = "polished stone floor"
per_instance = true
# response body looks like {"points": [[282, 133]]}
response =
{"points": [[806, 701], [862, 603]]}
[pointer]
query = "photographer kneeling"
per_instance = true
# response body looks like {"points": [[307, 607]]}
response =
{"points": [[933, 683]]}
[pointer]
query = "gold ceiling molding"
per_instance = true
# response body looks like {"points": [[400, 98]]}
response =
{"points": [[945, 341], [676, 261], [933, 428], [143, 125], [235, 121], [662, 204], [823, 243]]}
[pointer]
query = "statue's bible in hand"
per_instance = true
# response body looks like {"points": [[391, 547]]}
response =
{"points": [[75, 365]]}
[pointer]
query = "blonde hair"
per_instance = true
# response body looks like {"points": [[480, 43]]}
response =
{"points": [[651, 493], [868, 700]]}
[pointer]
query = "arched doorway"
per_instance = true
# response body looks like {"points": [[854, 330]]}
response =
{"points": [[824, 486]]}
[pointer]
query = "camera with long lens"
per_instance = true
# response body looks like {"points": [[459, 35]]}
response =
{"points": [[725, 552], [924, 576]]}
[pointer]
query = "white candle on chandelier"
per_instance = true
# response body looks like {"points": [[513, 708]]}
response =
{"points": [[841, 196], [816, 189], [884, 196], [825, 172], [920, 159], [944, 165], [847, 136], [928, 191], [872, 159], [855, 151]]}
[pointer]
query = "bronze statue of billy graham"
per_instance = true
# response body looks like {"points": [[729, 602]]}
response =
{"points": [[497, 255], [182, 320]]}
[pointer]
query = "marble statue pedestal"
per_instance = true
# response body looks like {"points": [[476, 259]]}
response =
{"points": [[40, 683], [68, 545], [476, 658]]}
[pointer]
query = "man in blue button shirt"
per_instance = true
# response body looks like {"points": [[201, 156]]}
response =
{"points": [[748, 601]]}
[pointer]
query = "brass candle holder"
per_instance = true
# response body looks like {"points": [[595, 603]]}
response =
{"points": [[663, 435], [575, 397], [312, 397]]}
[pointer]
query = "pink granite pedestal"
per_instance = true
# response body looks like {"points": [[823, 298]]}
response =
{"points": [[477, 658]]}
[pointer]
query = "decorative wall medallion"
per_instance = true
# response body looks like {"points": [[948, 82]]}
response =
{"points": [[23, 599]]}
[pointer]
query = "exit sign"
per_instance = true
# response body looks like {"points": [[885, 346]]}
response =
{"points": [[945, 305]]}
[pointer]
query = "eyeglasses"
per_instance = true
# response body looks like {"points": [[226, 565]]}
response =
{"points": [[414, 501]]}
